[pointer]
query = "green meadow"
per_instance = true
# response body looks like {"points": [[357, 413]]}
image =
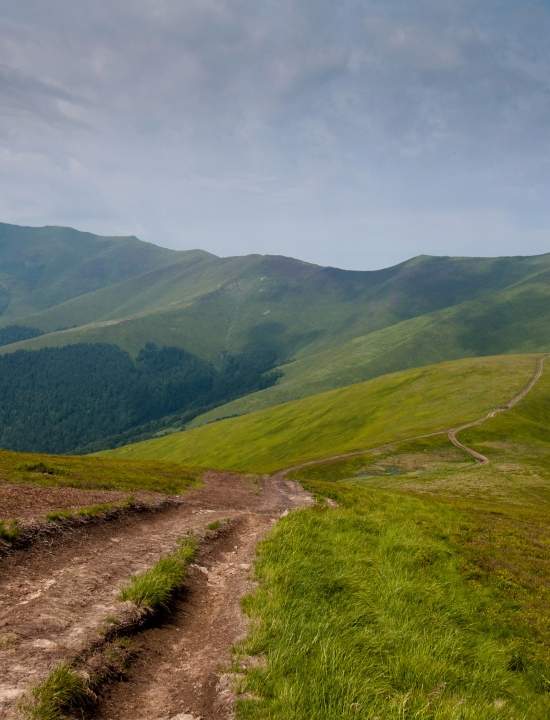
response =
{"points": [[424, 594], [386, 409], [91, 473]]}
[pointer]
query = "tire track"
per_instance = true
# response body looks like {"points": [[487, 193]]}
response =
{"points": [[54, 600]]}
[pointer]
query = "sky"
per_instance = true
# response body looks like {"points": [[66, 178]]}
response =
{"points": [[354, 133]]}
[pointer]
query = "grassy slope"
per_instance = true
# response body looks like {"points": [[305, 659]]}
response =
{"points": [[42, 267], [210, 305], [513, 320], [424, 594], [374, 610], [364, 415], [90, 473]]}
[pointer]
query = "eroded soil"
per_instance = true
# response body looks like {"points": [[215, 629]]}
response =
{"points": [[179, 668], [54, 599], [29, 504]]}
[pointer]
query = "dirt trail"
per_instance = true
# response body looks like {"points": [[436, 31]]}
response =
{"points": [[177, 672], [451, 432], [477, 456], [55, 599]]}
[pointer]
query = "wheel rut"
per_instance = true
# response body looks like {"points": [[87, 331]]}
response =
{"points": [[177, 671], [55, 599]]}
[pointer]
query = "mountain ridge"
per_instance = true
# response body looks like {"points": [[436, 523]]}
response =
{"points": [[321, 326]]}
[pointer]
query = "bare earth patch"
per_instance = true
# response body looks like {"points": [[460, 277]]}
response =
{"points": [[54, 599], [27, 503]]}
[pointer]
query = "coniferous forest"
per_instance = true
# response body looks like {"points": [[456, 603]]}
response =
{"points": [[87, 396]]}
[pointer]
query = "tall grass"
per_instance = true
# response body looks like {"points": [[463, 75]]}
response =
{"points": [[63, 691], [365, 611], [153, 588]]}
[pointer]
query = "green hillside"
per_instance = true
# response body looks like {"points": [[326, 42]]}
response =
{"points": [[43, 267], [389, 408], [319, 327], [423, 592], [512, 320], [211, 305]]}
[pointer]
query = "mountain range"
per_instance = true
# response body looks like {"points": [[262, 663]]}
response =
{"points": [[297, 328]]}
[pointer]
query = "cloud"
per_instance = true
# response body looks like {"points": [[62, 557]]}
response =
{"points": [[255, 124]]}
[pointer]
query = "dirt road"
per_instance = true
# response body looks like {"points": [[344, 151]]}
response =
{"points": [[55, 599]]}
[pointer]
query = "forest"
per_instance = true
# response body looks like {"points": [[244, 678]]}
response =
{"points": [[84, 397]]}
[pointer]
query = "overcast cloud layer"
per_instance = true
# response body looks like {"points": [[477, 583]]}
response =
{"points": [[354, 133]]}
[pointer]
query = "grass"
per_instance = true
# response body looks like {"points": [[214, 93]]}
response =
{"points": [[63, 691], [425, 594], [70, 690], [365, 415], [215, 525], [89, 511], [371, 610], [94, 473], [153, 588], [9, 530]]}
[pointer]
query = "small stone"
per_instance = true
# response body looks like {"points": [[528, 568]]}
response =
{"points": [[44, 644], [201, 569]]}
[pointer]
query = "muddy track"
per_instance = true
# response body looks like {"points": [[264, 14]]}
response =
{"points": [[54, 600], [451, 433]]}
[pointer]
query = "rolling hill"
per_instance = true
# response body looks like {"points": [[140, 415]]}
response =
{"points": [[387, 409], [318, 327], [44, 267]]}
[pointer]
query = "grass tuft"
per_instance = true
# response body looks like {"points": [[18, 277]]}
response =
{"points": [[215, 525], [63, 691], [153, 588], [89, 511], [9, 530]]}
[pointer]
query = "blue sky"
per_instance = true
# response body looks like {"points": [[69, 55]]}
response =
{"points": [[354, 133]]}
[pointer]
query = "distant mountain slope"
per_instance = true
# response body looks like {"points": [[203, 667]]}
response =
{"points": [[210, 305], [365, 415], [516, 319], [42, 267], [322, 327]]}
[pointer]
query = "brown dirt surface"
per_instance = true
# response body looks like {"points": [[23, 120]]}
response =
{"points": [[29, 504], [55, 599], [179, 669]]}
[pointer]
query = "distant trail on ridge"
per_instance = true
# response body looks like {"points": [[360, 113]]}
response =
{"points": [[477, 456], [451, 433]]}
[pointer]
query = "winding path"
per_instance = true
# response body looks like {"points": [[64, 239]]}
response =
{"points": [[452, 433], [477, 456]]}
